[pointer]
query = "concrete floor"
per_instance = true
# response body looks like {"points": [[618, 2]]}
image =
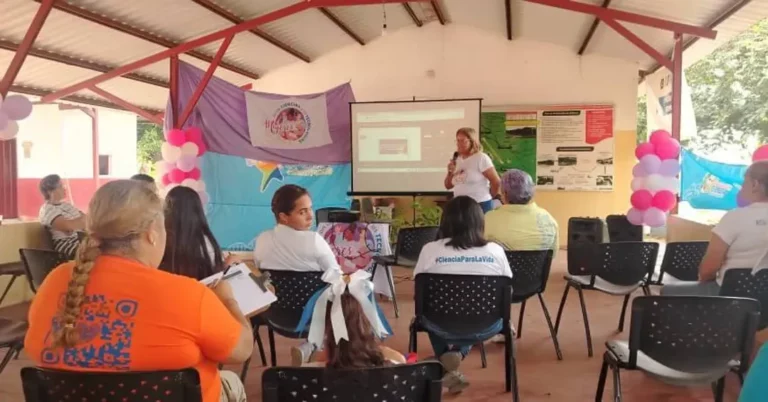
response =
{"points": [[542, 377]]}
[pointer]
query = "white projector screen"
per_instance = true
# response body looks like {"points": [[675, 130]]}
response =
{"points": [[405, 147]]}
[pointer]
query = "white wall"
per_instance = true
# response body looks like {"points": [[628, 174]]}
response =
{"points": [[454, 61], [117, 137]]}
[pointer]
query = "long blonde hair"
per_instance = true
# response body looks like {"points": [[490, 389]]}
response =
{"points": [[118, 213], [474, 139]]}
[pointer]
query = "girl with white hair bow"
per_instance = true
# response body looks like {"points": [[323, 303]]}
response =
{"points": [[347, 323]]}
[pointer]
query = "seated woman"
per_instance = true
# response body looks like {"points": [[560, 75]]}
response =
{"points": [[520, 224], [191, 250], [61, 218], [292, 246], [113, 310], [351, 340], [738, 240], [461, 234]]}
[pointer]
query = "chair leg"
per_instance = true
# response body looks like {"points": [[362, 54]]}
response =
{"points": [[8, 288], [513, 367], [586, 320], [601, 381], [244, 371], [261, 347], [412, 344], [520, 321], [391, 281], [508, 359], [616, 384], [12, 350], [646, 290], [551, 330], [562, 304], [272, 352], [719, 389], [483, 357], [623, 312]]}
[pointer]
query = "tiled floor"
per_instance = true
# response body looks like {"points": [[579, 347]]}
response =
{"points": [[542, 377]]}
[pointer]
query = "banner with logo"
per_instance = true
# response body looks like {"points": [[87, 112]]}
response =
{"points": [[240, 191], [289, 123], [709, 185], [659, 104]]}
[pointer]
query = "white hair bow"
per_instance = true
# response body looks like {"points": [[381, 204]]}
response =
{"points": [[361, 288]]}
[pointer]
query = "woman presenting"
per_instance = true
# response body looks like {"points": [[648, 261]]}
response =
{"points": [[471, 171]]}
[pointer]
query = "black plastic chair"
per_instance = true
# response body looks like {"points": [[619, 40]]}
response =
{"points": [[681, 262], [463, 305], [44, 385], [39, 263], [617, 269], [321, 214], [530, 273], [684, 341], [420, 382], [740, 282], [12, 334], [15, 270], [410, 241]]}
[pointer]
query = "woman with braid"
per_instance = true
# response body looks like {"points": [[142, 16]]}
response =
{"points": [[113, 310]]}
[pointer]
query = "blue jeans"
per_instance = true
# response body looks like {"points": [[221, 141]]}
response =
{"points": [[486, 206], [443, 342]]}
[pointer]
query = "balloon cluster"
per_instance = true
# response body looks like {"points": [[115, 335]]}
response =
{"points": [[760, 154], [181, 159], [13, 109], [655, 183]]}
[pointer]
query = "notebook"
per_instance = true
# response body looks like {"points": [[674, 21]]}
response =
{"points": [[250, 295]]}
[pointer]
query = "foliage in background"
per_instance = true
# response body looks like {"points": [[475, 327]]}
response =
{"points": [[149, 138], [642, 119], [426, 215]]}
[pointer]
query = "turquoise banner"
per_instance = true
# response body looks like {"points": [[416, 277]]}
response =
{"points": [[709, 185], [240, 192]]}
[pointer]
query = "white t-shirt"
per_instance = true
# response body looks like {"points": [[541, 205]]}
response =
{"points": [[468, 178], [286, 249], [745, 230], [50, 211], [438, 258]]}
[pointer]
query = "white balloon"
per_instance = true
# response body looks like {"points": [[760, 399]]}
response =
{"points": [[638, 183], [191, 183], [655, 182], [672, 184], [10, 131], [170, 153], [200, 186], [189, 148]]}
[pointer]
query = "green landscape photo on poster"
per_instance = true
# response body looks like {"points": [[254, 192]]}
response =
{"points": [[509, 138]]}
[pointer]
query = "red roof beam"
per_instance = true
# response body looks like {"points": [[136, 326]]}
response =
{"points": [[625, 16], [26, 44], [345, 3], [644, 46], [203, 83], [126, 105], [592, 29]]}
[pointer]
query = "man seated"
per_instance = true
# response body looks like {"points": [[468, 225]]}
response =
{"points": [[520, 224], [61, 218]]}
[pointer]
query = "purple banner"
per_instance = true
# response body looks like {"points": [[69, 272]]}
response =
{"points": [[221, 114]]}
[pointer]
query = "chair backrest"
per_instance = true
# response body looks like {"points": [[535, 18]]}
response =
{"points": [[693, 333], [462, 304], [43, 385], [418, 382], [621, 229], [682, 259], [321, 214], [293, 290], [410, 241], [740, 282], [343, 216], [530, 272], [624, 263], [39, 263]]}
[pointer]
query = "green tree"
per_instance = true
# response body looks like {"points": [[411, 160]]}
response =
{"points": [[729, 89], [149, 140], [642, 119]]}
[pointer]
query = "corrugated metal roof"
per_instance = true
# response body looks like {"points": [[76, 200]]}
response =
{"points": [[314, 34]]}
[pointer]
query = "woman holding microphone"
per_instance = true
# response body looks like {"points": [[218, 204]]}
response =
{"points": [[471, 171]]}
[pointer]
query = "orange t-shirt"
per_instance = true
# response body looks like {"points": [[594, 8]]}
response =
{"points": [[135, 318]]}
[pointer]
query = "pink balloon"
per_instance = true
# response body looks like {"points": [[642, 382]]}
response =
{"points": [[760, 154], [655, 217], [176, 137], [659, 136], [3, 120], [194, 174], [201, 148], [195, 135], [641, 199], [643, 149], [638, 171], [664, 200], [669, 149], [635, 216], [176, 175], [166, 179], [17, 107], [187, 162]]}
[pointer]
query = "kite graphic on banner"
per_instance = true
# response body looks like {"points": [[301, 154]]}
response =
{"points": [[290, 123], [707, 184]]}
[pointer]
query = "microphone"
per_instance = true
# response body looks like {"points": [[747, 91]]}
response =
{"points": [[455, 156]]}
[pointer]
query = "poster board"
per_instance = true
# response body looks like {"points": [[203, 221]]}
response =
{"points": [[566, 148]]}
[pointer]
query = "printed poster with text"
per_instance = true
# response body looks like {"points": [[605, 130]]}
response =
{"points": [[509, 138], [575, 149]]}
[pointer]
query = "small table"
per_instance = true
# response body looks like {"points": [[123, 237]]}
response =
{"points": [[355, 244]]}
